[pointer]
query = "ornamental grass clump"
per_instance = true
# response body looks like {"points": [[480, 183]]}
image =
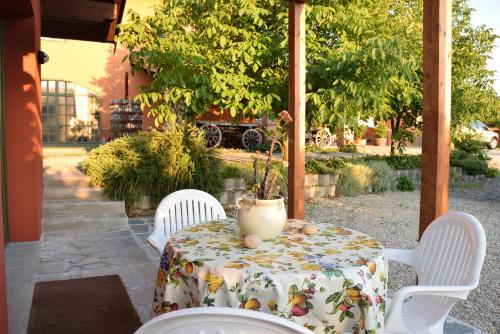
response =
{"points": [[154, 163], [355, 179], [381, 175]]}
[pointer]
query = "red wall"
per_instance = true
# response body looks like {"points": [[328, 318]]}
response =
{"points": [[23, 127], [22, 131]]}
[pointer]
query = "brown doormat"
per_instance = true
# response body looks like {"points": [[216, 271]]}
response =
{"points": [[87, 305]]}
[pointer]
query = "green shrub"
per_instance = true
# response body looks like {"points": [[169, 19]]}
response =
{"points": [[236, 170], [317, 166], [317, 149], [405, 184], [472, 165], [349, 148], [381, 130], [381, 175], [398, 162], [154, 163], [324, 166], [458, 155], [492, 172], [355, 179], [471, 143], [277, 168], [245, 170], [359, 130], [470, 154]]}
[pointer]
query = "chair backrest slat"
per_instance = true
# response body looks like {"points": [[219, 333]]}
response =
{"points": [[196, 212], [189, 210]]}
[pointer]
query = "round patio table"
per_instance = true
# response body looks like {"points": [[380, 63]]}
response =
{"points": [[333, 281]]}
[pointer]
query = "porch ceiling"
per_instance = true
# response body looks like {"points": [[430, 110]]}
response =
{"points": [[87, 20]]}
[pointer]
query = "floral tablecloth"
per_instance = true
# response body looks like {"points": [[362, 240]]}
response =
{"points": [[333, 281]]}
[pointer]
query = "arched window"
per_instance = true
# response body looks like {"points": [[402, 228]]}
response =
{"points": [[70, 113]]}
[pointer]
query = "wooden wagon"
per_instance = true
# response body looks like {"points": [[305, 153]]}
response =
{"points": [[217, 126], [250, 131]]}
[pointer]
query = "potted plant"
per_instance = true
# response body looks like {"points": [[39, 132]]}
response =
{"points": [[359, 131], [262, 212], [380, 134]]}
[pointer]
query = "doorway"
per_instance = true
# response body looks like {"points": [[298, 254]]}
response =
{"points": [[70, 114], [3, 182]]}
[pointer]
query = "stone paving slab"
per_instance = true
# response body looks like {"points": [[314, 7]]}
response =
{"points": [[101, 253], [64, 208], [67, 255], [21, 264], [142, 228]]}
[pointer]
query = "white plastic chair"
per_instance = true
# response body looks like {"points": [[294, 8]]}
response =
{"points": [[220, 320], [180, 209], [448, 261]]}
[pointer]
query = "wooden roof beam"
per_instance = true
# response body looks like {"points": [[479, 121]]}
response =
{"points": [[92, 11], [114, 23]]}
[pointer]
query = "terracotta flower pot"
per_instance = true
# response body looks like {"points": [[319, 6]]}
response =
{"points": [[380, 141], [265, 218]]}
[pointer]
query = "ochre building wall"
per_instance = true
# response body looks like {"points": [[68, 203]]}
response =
{"points": [[98, 66]]}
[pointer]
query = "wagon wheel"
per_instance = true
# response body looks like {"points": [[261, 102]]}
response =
{"points": [[213, 134], [251, 139], [323, 137]]}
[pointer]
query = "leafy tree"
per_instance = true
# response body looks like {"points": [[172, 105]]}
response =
{"points": [[230, 55], [234, 55], [491, 113], [364, 59], [353, 54], [405, 90], [472, 93]]}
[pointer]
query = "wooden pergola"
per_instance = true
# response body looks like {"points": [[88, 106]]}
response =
{"points": [[436, 110]]}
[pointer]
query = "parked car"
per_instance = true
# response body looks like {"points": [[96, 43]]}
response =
{"points": [[490, 137]]}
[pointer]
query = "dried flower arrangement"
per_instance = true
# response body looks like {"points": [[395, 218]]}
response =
{"points": [[264, 188]]}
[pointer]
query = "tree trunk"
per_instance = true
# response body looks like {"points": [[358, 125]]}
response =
{"points": [[393, 142], [395, 126]]}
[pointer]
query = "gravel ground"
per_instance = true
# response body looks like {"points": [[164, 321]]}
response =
{"points": [[392, 218]]}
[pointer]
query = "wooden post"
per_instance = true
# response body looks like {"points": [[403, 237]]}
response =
{"points": [[436, 111], [297, 108]]}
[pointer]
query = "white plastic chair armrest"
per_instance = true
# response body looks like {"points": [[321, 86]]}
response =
{"points": [[394, 313], [401, 255]]}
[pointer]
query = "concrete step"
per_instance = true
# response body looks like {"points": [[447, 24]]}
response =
{"points": [[66, 180], [63, 165], [85, 223], [56, 192], [71, 208], [58, 152], [62, 171]]}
